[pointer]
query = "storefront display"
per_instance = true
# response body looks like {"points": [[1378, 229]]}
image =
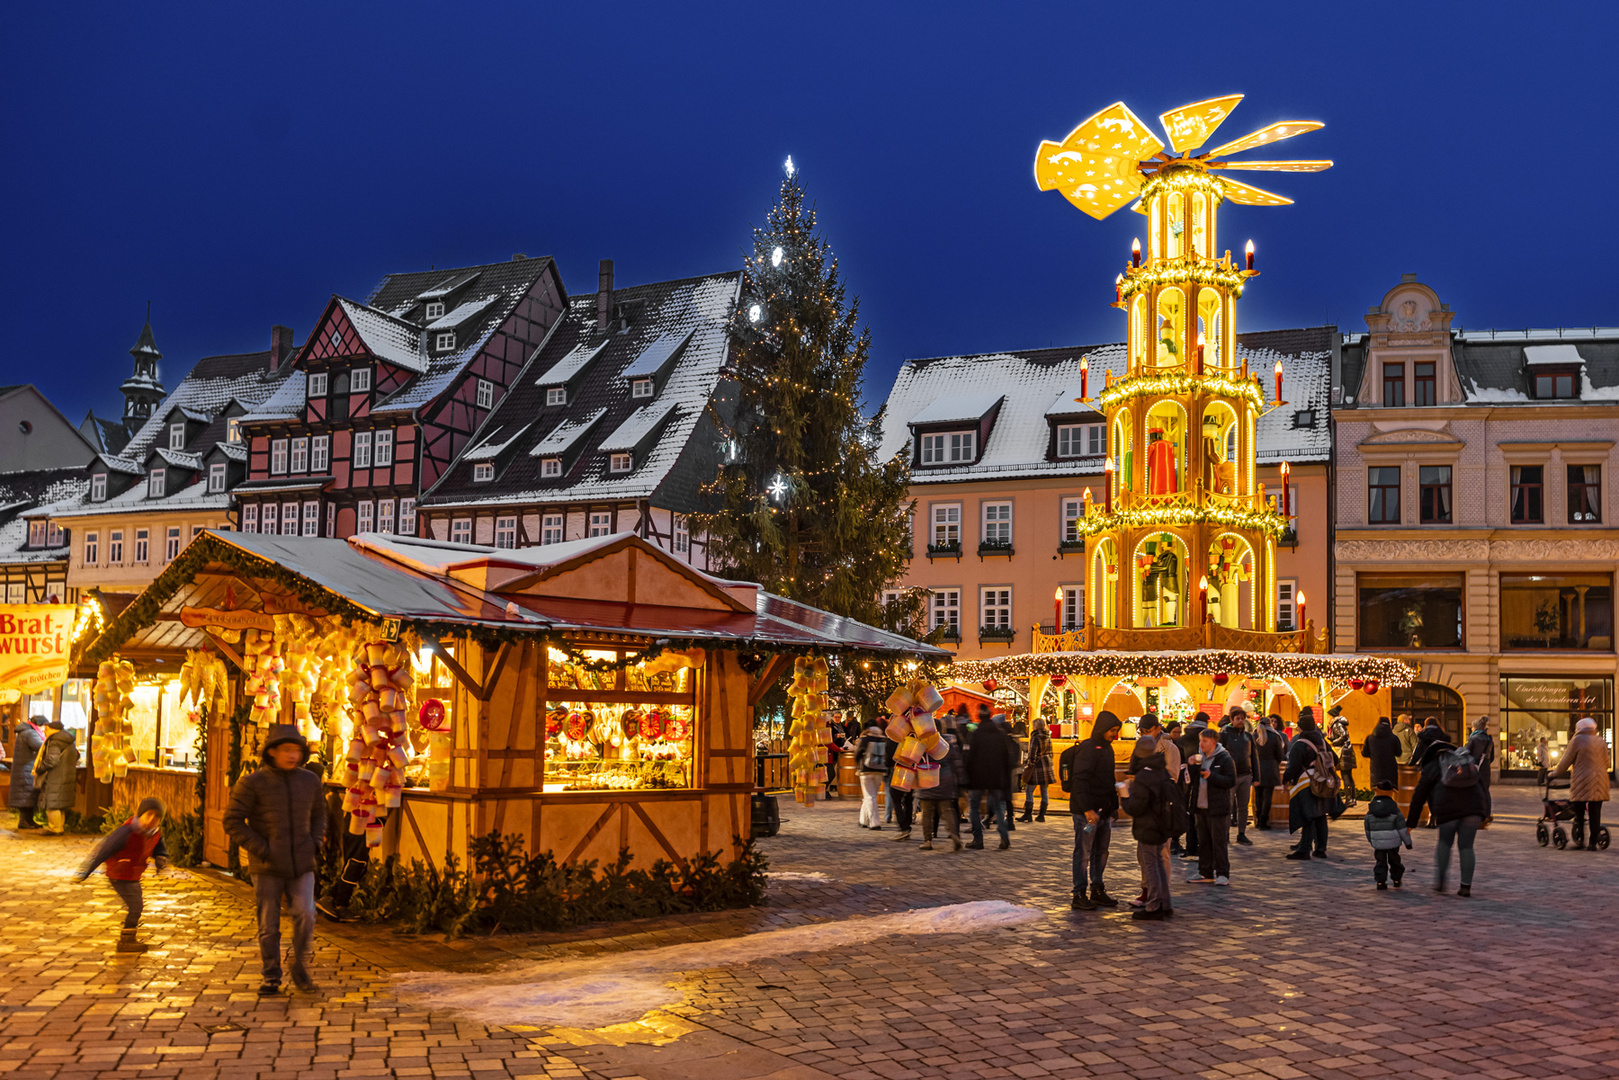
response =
{"points": [[619, 730], [1540, 707]]}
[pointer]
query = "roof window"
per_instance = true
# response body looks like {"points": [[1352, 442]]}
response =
{"points": [[556, 395], [1553, 383], [1304, 418], [483, 472], [619, 463], [445, 341], [641, 388], [551, 468], [435, 309]]}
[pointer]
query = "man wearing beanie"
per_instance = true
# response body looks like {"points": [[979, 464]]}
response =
{"points": [[1094, 802]]}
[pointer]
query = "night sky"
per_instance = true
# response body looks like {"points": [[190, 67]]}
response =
{"points": [[236, 164]]}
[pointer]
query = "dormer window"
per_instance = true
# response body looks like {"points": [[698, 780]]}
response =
{"points": [[445, 341], [36, 534], [177, 436], [483, 472], [619, 463], [359, 380], [1081, 440], [154, 484], [216, 477], [551, 468], [98, 487], [317, 384], [556, 395], [950, 448], [1553, 383], [641, 388], [1304, 418], [486, 394], [435, 309]]}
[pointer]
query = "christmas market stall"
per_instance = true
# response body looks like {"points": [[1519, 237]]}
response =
{"points": [[36, 669], [590, 697]]}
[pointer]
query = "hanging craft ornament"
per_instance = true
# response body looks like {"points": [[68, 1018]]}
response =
{"points": [[433, 715], [110, 751], [809, 737]]}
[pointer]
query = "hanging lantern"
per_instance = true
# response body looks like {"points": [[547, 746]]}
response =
{"points": [[1371, 686], [1220, 678], [990, 685]]}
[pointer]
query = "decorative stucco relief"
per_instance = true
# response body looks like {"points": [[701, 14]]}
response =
{"points": [[1389, 551]]}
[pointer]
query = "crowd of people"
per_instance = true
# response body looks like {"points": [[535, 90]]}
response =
{"points": [[1193, 790]]}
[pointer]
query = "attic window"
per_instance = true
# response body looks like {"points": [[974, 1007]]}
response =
{"points": [[556, 395], [641, 388], [551, 468], [486, 394], [445, 341], [950, 448], [1553, 383], [233, 430], [177, 436], [619, 463], [216, 477], [98, 487], [1081, 440], [154, 484], [483, 472], [1304, 418], [435, 309]]}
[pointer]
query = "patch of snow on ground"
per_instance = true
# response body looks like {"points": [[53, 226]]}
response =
{"points": [[595, 991], [793, 875]]}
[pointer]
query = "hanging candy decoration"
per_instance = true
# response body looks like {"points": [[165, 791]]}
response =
{"points": [[810, 737], [433, 716], [990, 685], [379, 688], [1357, 683], [1059, 680]]}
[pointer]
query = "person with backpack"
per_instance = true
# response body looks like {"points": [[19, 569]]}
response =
{"points": [[1585, 763], [1311, 777], [1244, 756], [1382, 752], [1150, 798], [1386, 831], [1482, 747], [871, 761], [989, 765], [1040, 771], [1431, 742], [1456, 804], [939, 802], [1270, 751], [1087, 771]]}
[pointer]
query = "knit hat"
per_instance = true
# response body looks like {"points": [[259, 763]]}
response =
{"points": [[1145, 745], [1336, 711], [152, 802], [285, 733], [1385, 785]]}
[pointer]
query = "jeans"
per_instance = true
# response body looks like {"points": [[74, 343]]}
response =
{"points": [[998, 810], [1591, 812], [1028, 798], [268, 890], [1388, 861], [888, 798], [904, 807], [1264, 796], [130, 893], [940, 811], [870, 784], [1461, 833], [1213, 844], [1154, 862], [1090, 852], [1314, 832], [1187, 793], [1239, 802]]}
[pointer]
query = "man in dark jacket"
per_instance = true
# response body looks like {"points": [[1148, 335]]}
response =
{"points": [[1270, 750], [1094, 801], [25, 745], [1214, 775], [1153, 804], [1482, 747], [1430, 742], [989, 764], [1187, 743], [1306, 812], [1240, 745], [278, 815], [1382, 753]]}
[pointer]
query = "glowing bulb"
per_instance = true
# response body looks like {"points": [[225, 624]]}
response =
{"points": [[1301, 598], [789, 165], [755, 313], [1203, 583], [1109, 464], [775, 257]]}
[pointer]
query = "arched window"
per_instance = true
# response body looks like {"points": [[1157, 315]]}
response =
{"points": [[1200, 225], [1425, 699]]}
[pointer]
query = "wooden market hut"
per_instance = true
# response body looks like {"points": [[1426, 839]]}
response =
{"points": [[518, 644]]}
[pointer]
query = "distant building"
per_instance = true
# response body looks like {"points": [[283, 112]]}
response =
{"points": [[608, 428], [35, 435], [142, 391], [42, 461]]}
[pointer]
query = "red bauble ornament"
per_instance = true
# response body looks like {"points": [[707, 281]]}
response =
{"points": [[990, 685], [1356, 684], [1059, 680], [433, 715], [1220, 678], [1371, 686]]}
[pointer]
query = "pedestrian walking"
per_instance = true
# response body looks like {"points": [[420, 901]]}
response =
{"points": [[1543, 760], [939, 803], [1386, 831], [1311, 777], [1344, 750], [1094, 802], [277, 814], [1187, 743], [25, 744], [1040, 770], [1482, 747], [56, 774], [1214, 776], [1239, 743], [1431, 742], [1270, 751], [1456, 804], [1407, 733], [1150, 798], [1014, 736], [902, 804], [125, 852], [1585, 763], [1382, 753], [873, 763], [989, 764]]}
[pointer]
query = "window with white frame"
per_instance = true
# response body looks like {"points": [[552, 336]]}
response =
{"points": [[506, 532], [98, 487], [1073, 510], [944, 609], [171, 544], [195, 529], [946, 529], [483, 472], [312, 517], [115, 547], [461, 530], [385, 515], [317, 384], [278, 456], [600, 524], [250, 518], [143, 545], [445, 341], [362, 450], [53, 535], [367, 516], [486, 394], [1286, 605], [154, 484], [618, 463], [556, 395], [550, 468], [995, 607], [289, 519], [682, 533], [320, 449], [267, 526], [216, 477], [359, 380], [950, 448], [300, 455], [407, 517], [36, 534], [1073, 607], [640, 388], [551, 529], [383, 454], [92, 548], [233, 430], [1081, 440], [435, 309], [177, 436], [997, 524]]}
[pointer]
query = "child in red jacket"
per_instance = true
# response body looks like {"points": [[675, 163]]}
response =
{"points": [[125, 851]]}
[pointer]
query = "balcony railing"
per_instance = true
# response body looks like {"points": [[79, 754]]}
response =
{"points": [[1208, 636]]}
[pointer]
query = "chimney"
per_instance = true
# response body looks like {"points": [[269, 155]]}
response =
{"points": [[604, 294], [280, 345]]}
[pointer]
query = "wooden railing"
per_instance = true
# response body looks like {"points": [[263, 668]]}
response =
{"points": [[1208, 636]]}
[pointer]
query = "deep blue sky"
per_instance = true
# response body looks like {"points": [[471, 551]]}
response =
{"points": [[237, 164]]}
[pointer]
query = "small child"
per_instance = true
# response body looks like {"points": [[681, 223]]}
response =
{"points": [[1386, 831], [125, 851]]}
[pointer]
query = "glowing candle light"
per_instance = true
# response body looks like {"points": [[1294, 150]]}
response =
{"points": [[1107, 489], [1203, 598], [1135, 252], [1278, 382], [1056, 611], [1084, 378], [1301, 609], [1286, 502], [1118, 289], [1248, 254]]}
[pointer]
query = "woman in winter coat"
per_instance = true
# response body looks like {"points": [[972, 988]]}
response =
{"points": [[1430, 744], [873, 766], [1585, 763], [24, 749], [1382, 750], [57, 774], [939, 803], [1306, 812], [1040, 770], [1459, 813]]}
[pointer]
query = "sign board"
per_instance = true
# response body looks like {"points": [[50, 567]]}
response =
{"points": [[1152, 681], [236, 619], [35, 640]]}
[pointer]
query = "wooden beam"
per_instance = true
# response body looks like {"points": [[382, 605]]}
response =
{"points": [[493, 675], [467, 681], [230, 654], [767, 677]]}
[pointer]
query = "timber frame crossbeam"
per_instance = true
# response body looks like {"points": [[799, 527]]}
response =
{"points": [[483, 691], [767, 677]]}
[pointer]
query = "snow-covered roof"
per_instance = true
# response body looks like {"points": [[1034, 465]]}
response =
{"points": [[968, 405], [493, 445], [461, 313], [565, 434], [447, 286], [212, 385], [386, 336], [136, 501], [655, 355], [1551, 354], [637, 426], [577, 359], [1495, 367], [178, 459]]}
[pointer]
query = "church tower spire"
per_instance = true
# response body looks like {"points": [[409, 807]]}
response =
{"points": [[142, 390]]}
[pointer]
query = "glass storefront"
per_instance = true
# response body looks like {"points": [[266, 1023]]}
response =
{"points": [[1424, 700], [1410, 611], [1556, 611], [1541, 707], [627, 730]]}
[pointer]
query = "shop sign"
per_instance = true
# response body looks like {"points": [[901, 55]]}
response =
{"points": [[34, 644], [286, 605], [1257, 684], [195, 617], [1147, 681]]}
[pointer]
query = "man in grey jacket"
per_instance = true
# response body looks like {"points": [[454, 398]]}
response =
{"points": [[278, 815]]}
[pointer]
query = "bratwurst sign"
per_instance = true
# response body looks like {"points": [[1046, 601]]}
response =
{"points": [[35, 640]]}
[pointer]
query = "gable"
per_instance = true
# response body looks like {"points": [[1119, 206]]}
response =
{"points": [[625, 569]]}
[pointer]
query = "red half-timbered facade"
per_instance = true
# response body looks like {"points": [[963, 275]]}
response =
{"points": [[388, 392]]}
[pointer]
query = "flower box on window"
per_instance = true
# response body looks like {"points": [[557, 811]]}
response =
{"points": [[994, 547], [950, 550], [996, 633]]}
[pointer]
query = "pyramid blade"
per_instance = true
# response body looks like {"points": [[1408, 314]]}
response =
{"points": [[1248, 195], [1286, 129], [1273, 166], [1097, 166], [1190, 126]]}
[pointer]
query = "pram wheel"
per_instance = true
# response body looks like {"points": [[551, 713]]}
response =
{"points": [[1601, 843], [1559, 839], [1542, 837]]}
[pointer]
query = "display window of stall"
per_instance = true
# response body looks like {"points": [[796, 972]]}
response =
{"points": [[164, 732], [632, 728], [69, 703], [1548, 708]]}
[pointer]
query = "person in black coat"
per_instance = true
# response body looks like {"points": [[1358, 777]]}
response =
{"points": [[1239, 743], [1094, 802], [1270, 750], [1186, 743], [1306, 812], [1214, 776], [1382, 752], [1154, 805], [1431, 742], [1482, 747], [990, 759], [1459, 813]]}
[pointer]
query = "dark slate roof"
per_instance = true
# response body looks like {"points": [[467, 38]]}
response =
{"points": [[674, 459], [24, 495], [1494, 366], [107, 436]]}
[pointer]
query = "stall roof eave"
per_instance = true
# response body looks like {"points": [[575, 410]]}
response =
{"points": [[1337, 667]]}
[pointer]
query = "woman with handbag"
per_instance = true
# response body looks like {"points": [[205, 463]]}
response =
{"points": [[1040, 771]]}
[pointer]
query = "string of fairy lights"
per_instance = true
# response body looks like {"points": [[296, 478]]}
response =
{"points": [[1335, 668]]}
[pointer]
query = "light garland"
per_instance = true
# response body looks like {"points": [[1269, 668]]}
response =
{"points": [[1180, 180], [1108, 664], [1182, 270], [1181, 383], [1264, 521]]}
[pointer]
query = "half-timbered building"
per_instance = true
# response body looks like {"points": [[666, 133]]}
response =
{"points": [[386, 392]]}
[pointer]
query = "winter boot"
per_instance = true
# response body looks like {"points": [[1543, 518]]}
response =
{"points": [[127, 942], [1003, 845], [1082, 902], [1100, 898], [1025, 816]]}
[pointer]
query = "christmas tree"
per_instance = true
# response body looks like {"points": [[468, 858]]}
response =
{"points": [[803, 506]]}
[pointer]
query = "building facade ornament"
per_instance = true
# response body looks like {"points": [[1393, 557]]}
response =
{"points": [[1585, 549]]}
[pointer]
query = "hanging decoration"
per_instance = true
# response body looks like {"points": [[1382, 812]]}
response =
{"points": [[810, 737], [1334, 667], [379, 687], [202, 677], [110, 749], [911, 725]]}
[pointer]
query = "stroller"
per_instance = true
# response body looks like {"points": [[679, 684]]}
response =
{"points": [[1555, 811]]}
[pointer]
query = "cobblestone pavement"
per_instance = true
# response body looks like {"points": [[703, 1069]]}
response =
{"points": [[1295, 970]]}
